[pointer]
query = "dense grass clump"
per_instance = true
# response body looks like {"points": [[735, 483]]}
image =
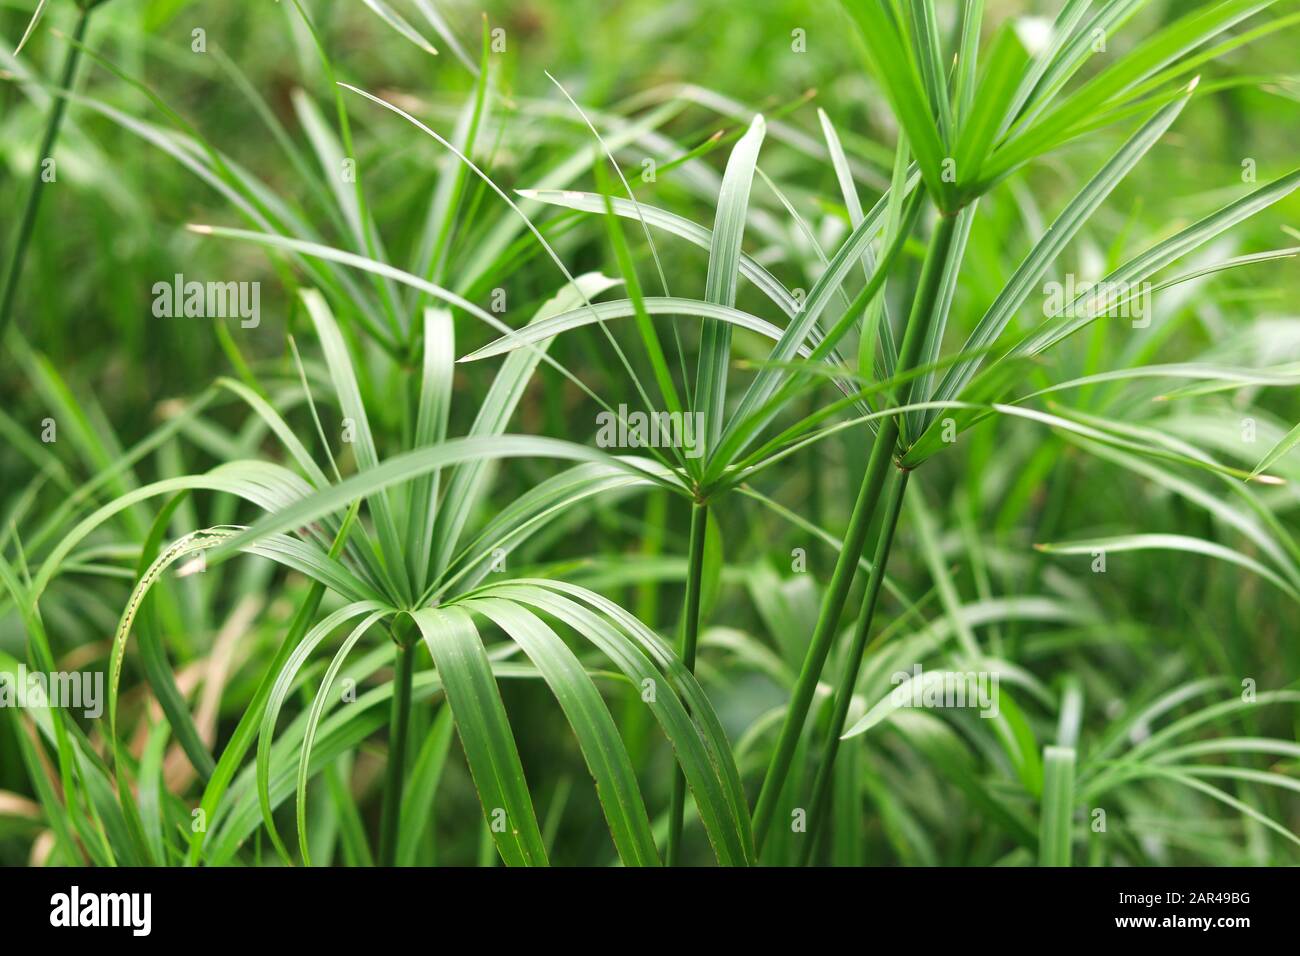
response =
{"points": [[656, 434]]}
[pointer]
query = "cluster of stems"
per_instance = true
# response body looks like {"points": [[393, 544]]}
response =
{"points": [[885, 450]]}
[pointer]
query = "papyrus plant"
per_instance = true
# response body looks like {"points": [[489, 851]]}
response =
{"points": [[966, 130], [393, 527]]}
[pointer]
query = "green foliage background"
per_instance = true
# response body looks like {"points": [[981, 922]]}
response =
{"points": [[1122, 690]]}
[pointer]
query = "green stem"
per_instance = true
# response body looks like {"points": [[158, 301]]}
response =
{"points": [[690, 637], [849, 678], [28, 221], [399, 720], [864, 508]]}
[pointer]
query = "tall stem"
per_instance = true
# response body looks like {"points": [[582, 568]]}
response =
{"points": [[849, 678], [398, 721], [28, 221], [864, 508], [690, 637]]}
